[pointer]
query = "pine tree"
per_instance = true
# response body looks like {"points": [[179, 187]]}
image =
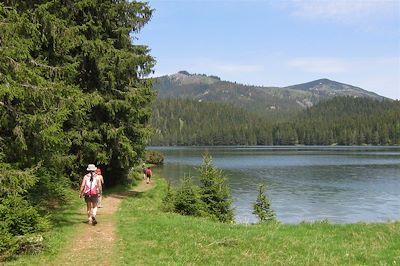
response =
{"points": [[262, 206], [187, 199], [215, 192], [72, 84]]}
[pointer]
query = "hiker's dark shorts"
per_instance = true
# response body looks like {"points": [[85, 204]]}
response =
{"points": [[91, 199]]}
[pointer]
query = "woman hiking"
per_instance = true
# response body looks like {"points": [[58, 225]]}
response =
{"points": [[144, 170], [101, 183], [149, 174], [90, 189]]}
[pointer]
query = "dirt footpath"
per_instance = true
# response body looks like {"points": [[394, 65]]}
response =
{"points": [[94, 244]]}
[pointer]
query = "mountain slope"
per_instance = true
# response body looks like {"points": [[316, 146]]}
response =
{"points": [[328, 88], [254, 98]]}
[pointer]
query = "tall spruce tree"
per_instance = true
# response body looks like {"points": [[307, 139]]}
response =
{"points": [[215, 192], [72, 84]]}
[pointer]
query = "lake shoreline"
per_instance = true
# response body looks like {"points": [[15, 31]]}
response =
{"points": [[341, 184]]}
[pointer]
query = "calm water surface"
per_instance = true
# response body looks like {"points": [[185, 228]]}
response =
{"points": [[340, 184]]}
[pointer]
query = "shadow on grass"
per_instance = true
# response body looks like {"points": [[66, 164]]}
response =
{"points": [[68, 218], [127, 194]]}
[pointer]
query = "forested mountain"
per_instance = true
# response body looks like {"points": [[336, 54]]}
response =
{"points": [[344, 121], [340, 120], [269, 100]]}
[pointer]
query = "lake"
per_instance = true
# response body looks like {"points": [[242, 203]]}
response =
{"points": [[338, 184]]}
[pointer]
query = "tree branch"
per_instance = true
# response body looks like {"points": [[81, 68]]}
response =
{"points": [[43, 65], [12, 60]]}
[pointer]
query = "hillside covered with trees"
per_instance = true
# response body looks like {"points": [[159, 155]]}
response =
{"points": [[272, 101], [72, 92], [339, 121]]}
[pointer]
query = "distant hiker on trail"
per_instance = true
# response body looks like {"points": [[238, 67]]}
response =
{"points": [[90, 189], [144, 170], [101, 183], [149, 174]]}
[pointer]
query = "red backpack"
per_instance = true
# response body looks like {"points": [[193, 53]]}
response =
{"points": [[148, 172], [91, 187]]}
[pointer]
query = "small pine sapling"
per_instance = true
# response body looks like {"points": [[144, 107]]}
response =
{"points": [[262, 206]]}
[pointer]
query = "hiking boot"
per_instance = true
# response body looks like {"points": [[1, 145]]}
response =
{"points": [[94, 220]]}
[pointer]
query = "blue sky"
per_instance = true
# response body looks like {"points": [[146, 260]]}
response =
{"points": [[279, 43]]}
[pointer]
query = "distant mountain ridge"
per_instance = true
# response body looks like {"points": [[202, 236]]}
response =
{"points": [[333, 88], [201, 87]]}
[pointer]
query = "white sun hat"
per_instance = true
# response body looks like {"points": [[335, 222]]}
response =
{"points": [[91, 167]]}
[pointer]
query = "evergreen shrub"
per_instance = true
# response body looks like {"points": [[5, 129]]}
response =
{"points": [[8, 243], [187, 199], [20, 224], [154, 157], [262, 207], [168, 202], [215, 192], [211, 199]]}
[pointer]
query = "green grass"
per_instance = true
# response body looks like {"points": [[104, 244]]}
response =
{"points": [[151, 237], [148, 236]]}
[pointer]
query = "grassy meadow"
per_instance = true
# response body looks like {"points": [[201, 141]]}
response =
{"points": [[151, 237], [148, 236]]}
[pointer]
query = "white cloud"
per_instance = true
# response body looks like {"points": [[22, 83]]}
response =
{"points": [[238, 68], [343, 10], [221, 67], [332, 65], [210, 66], [320, 65]]}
